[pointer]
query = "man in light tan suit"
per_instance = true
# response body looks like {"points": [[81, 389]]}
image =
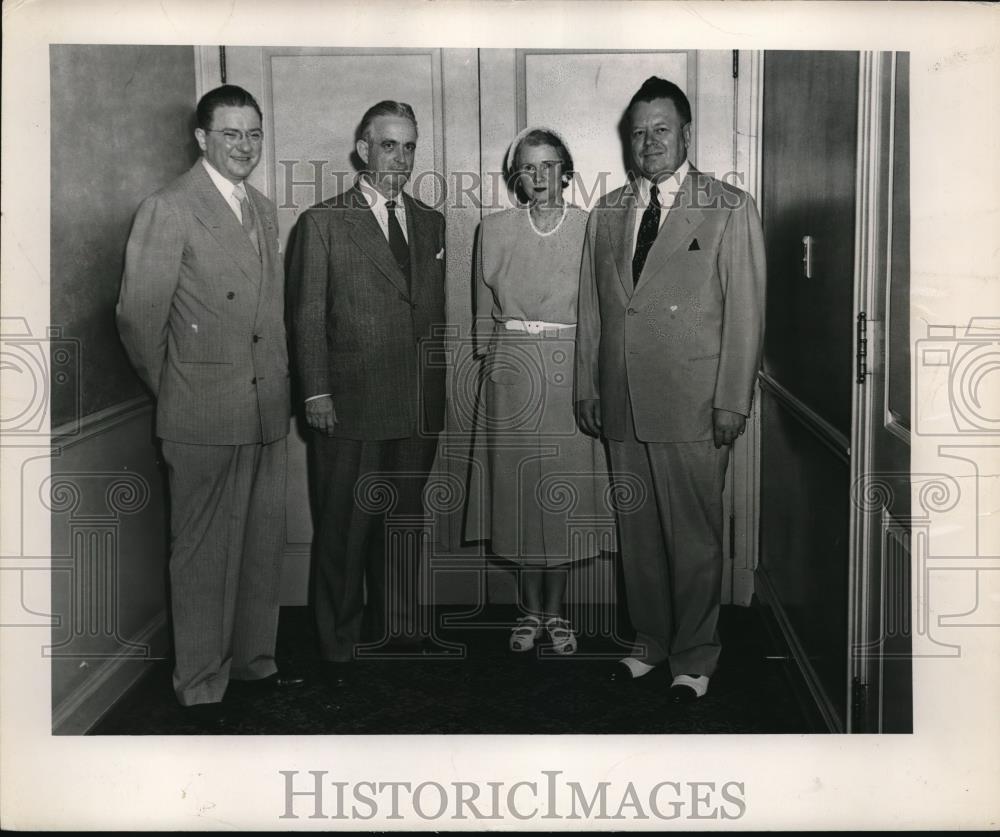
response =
{"points": [[669, 339], [201, 315]]}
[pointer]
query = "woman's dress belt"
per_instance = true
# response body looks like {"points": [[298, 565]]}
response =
{"points": [[534, 326]]}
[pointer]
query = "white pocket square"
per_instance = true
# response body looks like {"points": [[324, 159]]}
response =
{"points": [[440, 254]]}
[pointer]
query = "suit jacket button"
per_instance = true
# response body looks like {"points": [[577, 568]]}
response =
{"points": [[230, 295], [631, 311], [256, 338], [253, 381], [402, 297]]}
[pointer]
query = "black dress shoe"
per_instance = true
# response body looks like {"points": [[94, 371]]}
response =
{"points": [[621, 674], [682, 694], [288, 679], [206, 716], [283, 679]]}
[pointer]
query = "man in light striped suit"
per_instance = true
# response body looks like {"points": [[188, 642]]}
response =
{"points": [[201, 315]]}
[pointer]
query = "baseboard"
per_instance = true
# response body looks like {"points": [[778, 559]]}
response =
{"points": [[814, 700], [81, 710]]}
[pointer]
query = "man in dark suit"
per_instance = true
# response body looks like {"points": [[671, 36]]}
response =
{"points": [[201, 315], [669, 339], [367, 279]]}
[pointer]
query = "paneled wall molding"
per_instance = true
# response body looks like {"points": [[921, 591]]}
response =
{"points": [[749, 108], [81, 709], [866, 248], [807, 417], [744, 481], [770, 599], [108, 541], [522, 56], [70, 434], [207, 69], [746, 455], [873, 422], [268, 55]]}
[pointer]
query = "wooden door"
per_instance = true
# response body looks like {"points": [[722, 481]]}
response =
{"points": [[882, 629], [808, 196]]}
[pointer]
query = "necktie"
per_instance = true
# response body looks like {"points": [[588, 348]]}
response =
{"points": [[249, 222], [649, 226], [397, 242]]}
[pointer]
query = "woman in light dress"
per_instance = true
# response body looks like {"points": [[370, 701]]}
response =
{"points": [[538, 486]]}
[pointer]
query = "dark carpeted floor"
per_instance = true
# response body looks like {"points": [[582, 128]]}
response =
{"points": [[473, 684]]}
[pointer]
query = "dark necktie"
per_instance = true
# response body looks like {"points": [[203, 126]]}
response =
{"points": [[649, 226], [397, 242]]}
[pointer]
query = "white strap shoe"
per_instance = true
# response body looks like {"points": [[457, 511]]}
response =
{"points": [[561, 634], [688, 687], [523, 637]]}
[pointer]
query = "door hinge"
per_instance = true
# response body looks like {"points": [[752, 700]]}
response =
{"points": [[736, 63], [859, 705], [861, 355]]}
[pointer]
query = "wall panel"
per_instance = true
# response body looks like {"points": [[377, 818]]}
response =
{"points": [[108, 496], [122, 127]]}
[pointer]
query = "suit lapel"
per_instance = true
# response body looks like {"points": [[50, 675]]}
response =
{"points": [[621, 229], [682, 220], [421, 240], [368, 236], [267, 236], [212, 210]]}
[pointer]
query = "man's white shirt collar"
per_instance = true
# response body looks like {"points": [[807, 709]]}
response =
{"points": [[376, 203], [669, 186], [226, 187], [376, 200]]}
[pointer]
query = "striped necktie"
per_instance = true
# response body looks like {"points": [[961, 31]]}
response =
{"points": [[649, 228]]}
